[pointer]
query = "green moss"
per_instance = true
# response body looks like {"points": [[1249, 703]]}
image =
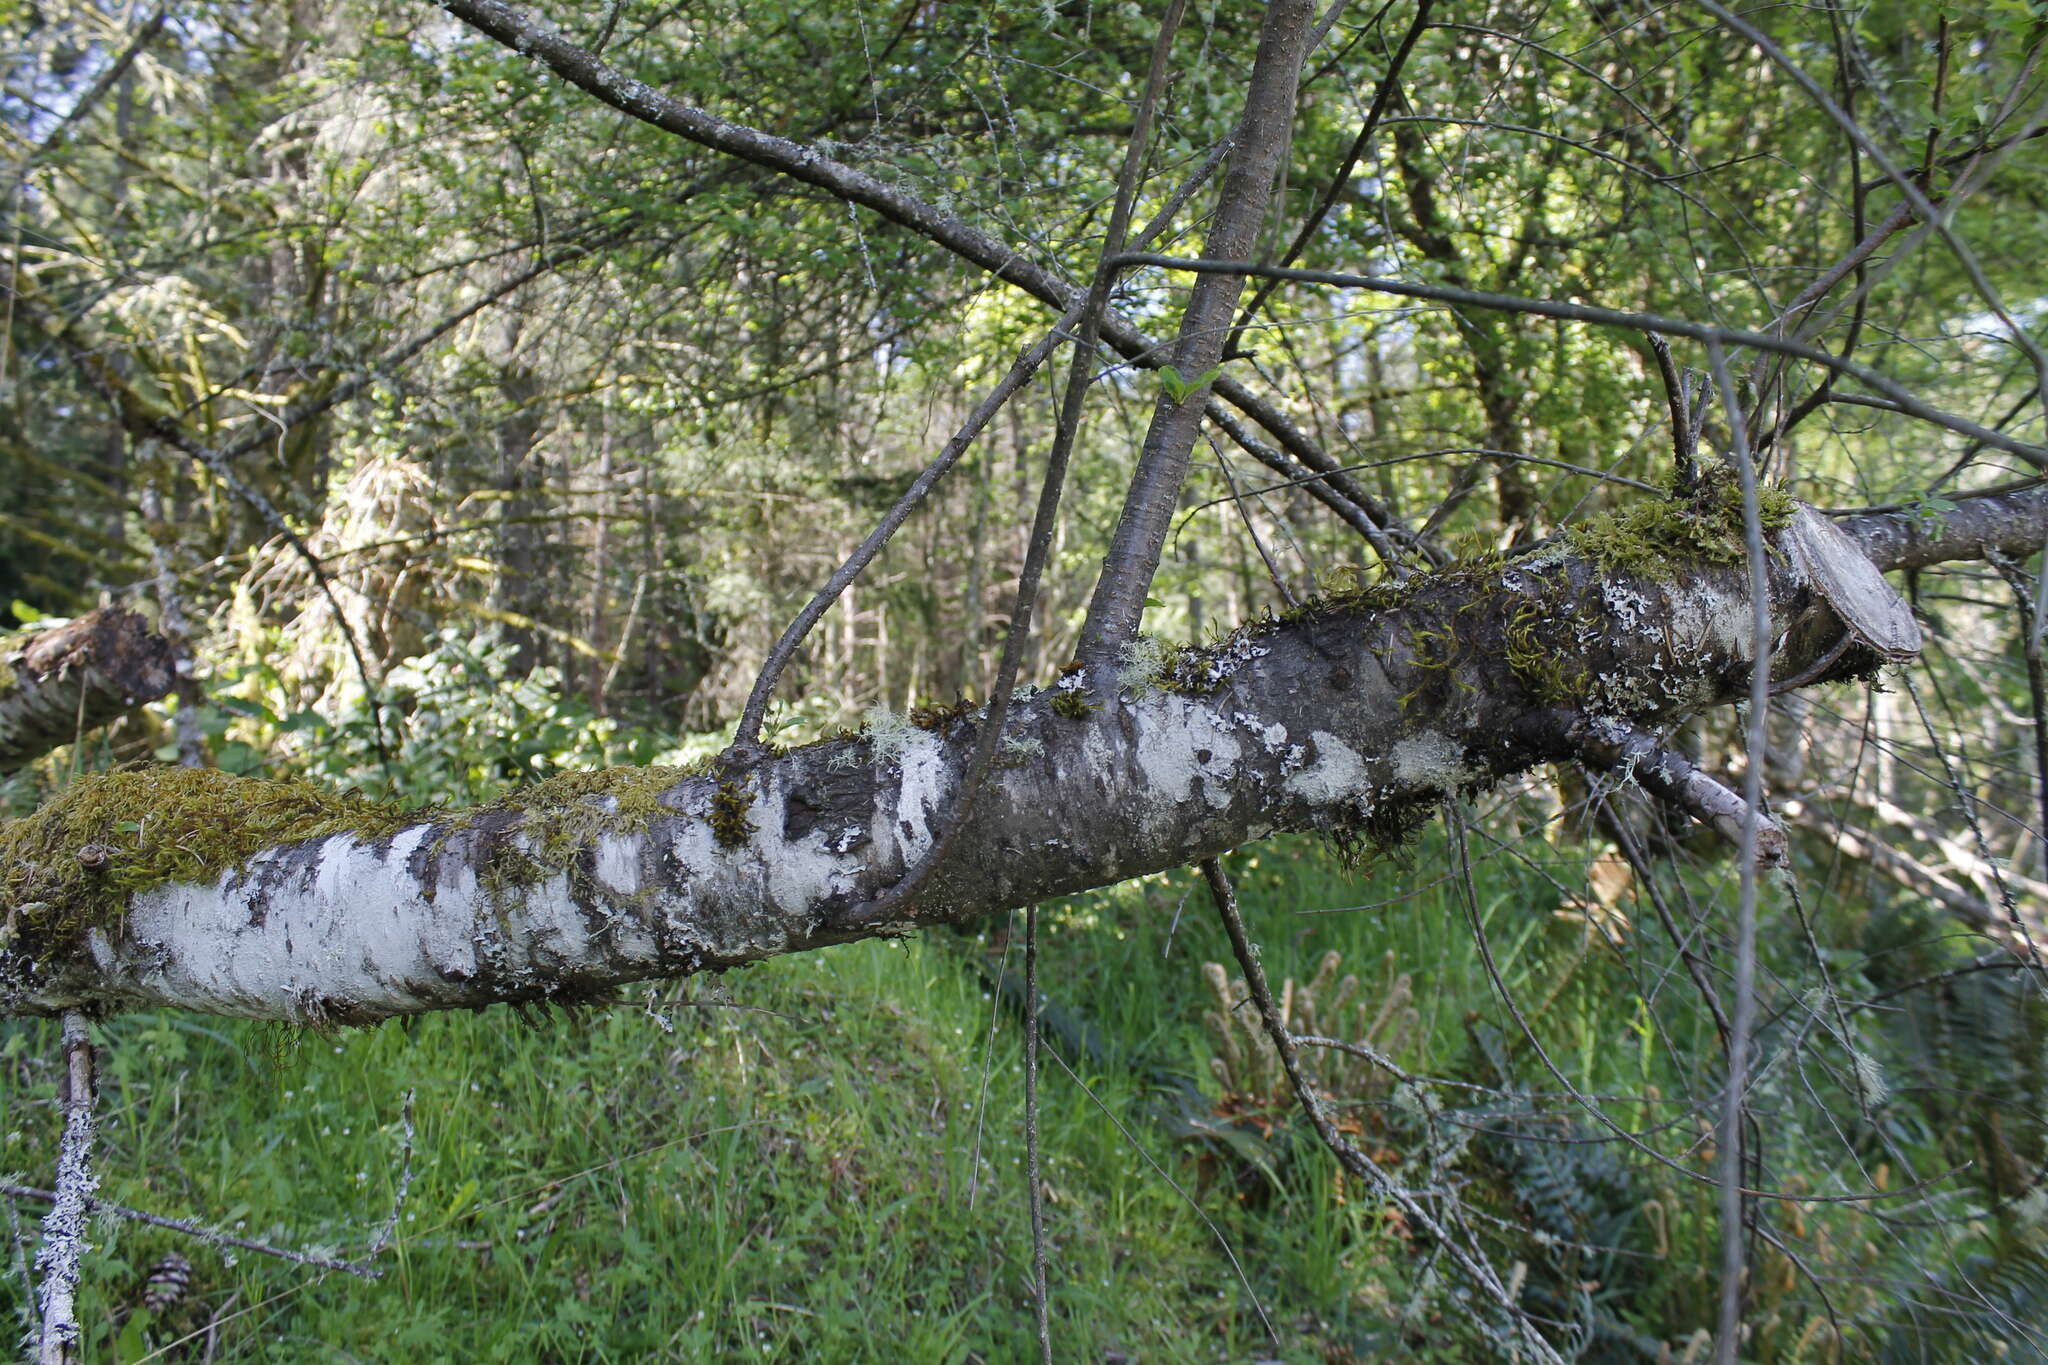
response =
{"points": [[1530, 628], [559, 817], [729, 809], [73, 864], [1657, 537], [1072, 703], [1187, 671], [1349, 588], [636, 793], [1384, 833]]}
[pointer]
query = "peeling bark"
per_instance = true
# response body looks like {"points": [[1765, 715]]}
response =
{"points": [[57, 684], [1356, 717]]}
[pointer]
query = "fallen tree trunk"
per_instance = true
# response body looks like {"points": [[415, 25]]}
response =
{"points": [[1356, 716], [58, 683]]}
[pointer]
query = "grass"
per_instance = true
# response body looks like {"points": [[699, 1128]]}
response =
{"points": [[839, 1179], [821, 1157]]}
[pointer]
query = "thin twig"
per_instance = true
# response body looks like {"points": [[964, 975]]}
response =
{"points": [[144, 33], [1683, 444], [191, 1228], [1348, 1156], [1734, 1208], [383, 1235], [1229, 1253], [2037, 686], [65, 1225], [1382, 96], [1040, 1302], [1610, 317]]}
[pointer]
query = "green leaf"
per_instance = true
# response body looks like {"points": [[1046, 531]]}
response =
{"points": [[1178, 388], [462, 1197]]}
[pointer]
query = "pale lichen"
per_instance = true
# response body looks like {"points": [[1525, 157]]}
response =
{"points": [[1140, 664], [1433, 762], [888, 733]]}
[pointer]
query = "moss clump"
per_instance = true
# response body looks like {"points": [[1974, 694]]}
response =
{"points": [[1385, 832], [1531, 634], [1072, 703], [635, 793], [729, 807], [1657, 537], [1348, 588], [1189, 672], [73, 864], [932, 716], [559, 817]]}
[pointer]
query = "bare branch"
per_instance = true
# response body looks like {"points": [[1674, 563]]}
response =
{"points": [[1627, 751], [1262, 139], [1608, 317], [536, 37]]}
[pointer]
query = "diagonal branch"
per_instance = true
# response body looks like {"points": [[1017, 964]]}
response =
{"points": [[1907, 402], [537, 38], [1263, 136]]}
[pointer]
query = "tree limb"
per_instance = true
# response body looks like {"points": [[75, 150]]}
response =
{"points": [[1357, 718], [56, 684]]}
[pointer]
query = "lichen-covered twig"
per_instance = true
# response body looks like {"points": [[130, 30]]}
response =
{"points": [[1621, 749], [64, 1226], [192, 1228]]}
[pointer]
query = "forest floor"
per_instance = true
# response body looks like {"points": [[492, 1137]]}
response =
{"points": [[821, 1158]]}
